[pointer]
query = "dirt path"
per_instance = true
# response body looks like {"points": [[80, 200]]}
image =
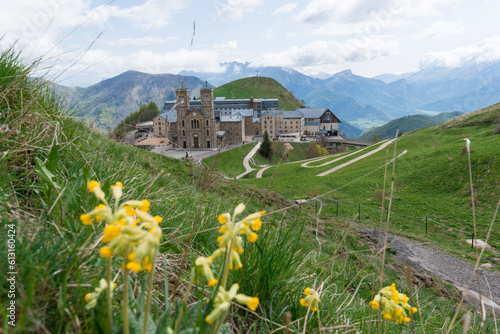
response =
{"points": [[424, 257], [246, 161], [381, 147]]}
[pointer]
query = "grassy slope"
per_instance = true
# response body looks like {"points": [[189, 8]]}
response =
{"points": [[230, 162], [54, 273], [259, 87], [407, 124], [431, 180]]}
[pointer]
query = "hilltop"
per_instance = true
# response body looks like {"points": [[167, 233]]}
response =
{"points": [[259, 87], [407, 124]]}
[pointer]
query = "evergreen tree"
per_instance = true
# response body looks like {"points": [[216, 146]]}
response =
{"points": [[265, 149], [376, 138]]}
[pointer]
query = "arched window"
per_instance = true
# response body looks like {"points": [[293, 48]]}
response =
{"points": [[183, 133], [208, 132]]}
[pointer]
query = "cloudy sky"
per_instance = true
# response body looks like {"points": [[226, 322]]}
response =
{"points": [[85, 41]]}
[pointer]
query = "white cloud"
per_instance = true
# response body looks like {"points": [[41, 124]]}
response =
{"points": [[234, 10], [366, 16], [441, 29], [226, 47], [145, 40], [286, 8], [327, 53], [485, 51], [153, 13]]}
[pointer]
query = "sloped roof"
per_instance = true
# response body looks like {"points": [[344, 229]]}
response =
{"points": [[312, 112], [170, 117], [292, 114]]}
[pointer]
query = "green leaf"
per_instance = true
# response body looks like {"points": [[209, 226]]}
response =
{"points": [[189, 331], [164, 321], [225, 329], [150, 327], [46, 177], [100, 315], [53, 158]]}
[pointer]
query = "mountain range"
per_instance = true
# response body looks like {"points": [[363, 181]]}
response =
{"points": [[356, 100]]}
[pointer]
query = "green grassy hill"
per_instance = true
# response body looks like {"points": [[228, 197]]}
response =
{"points": [[45, 170], [259, 87], [432, 180], [407, 124]]}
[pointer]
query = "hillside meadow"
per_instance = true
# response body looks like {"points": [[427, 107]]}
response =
{"points": [[431, 181], [55, 172]]}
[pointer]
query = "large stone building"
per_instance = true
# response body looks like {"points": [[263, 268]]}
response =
{"points": [[211, 123]]}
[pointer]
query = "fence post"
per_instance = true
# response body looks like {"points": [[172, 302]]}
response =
{"points": [[425, 224]]}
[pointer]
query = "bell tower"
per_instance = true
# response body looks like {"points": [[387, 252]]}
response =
{"points": [[182, 101], [207, 109]]}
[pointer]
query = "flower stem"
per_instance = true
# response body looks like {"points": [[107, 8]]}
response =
{"points": [[108, 279], [125, 301], [148, 298], [228, 262]]}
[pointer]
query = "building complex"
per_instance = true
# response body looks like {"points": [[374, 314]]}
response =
{"points": [[212, 123]]}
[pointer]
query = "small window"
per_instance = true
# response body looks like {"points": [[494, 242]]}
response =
{"points": [[207, 122]]}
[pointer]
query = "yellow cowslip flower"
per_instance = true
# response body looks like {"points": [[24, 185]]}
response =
{"points": [[100, 212], [147, 265], [95, 188], [393, 303], [252, 237], [312, 299], [86, 219], [106, 252], [235, 258], [130, 212], [117, 190], [111, 232], [91, 297], [158, 219], [223, 301], [134, 266], [202, 269], [251, 302], [145, 206], [253, 220], [92, 185], [224, 218], [239, 209]]}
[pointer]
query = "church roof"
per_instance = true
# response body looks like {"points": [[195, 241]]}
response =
{"points": [[170, 117]]}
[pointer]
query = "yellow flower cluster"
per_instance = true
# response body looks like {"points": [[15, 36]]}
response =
{"points": [[223, 301], [394, 304], [130, 231], [91, 297], [230, 239], [312, 299]]}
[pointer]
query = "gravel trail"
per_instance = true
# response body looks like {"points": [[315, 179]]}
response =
{"points": [[439, 264]]}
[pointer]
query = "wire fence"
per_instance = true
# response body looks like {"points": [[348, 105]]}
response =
{"points": [[416, 225]]}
